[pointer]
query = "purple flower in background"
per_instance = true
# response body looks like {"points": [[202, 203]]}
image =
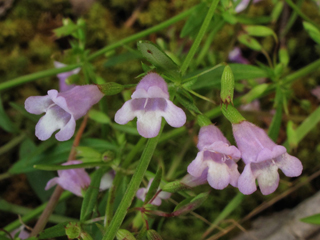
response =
{"points": [[63, 86], [142, 192], [150, 102], [316, 92], [253, 106], [23, 233], [262, 158], [74, 180], [62, 110], [216, 157], [236, 56], [243, 5], [106, 180]]}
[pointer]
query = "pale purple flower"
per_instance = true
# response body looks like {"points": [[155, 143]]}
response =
{"points": [[150, 102], [236, 56], [316, 92], [142, 192], [252, 106], [192, 181], [23, 234], [243, 5], [62, 110], [217, 157], [106, 180], [262, 158], [63, 86], [74, 180]]}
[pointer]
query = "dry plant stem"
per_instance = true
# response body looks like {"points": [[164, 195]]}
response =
{"points": [[131, 20], [265, 205], [42, 221]]}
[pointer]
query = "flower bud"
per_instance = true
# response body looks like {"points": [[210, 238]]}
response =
{"points": [[227, 86], [73, 230], [123, 234]]}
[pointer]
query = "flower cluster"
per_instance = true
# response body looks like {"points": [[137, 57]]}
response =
{"points": [[217, 159]]}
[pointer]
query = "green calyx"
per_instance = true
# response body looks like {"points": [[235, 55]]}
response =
{"points": [[232, 114], [227, 86], [110, 88]]}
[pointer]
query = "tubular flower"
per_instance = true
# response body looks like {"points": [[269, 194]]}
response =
{"points": [[74, 180], [150, 101], [62, 110], [217, 158], [63, 86], [262, 158], [142, 192]]}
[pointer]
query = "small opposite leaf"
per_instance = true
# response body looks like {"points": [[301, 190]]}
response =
{"points": [[99, 116], [154, 186], [314, 219], [186, 100], [88, 154], [158, 58], [249, 42], [55, 231], [188, 206]]}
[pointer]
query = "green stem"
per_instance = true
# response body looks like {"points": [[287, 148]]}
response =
{"points": [[142, 34], [33, 214], [16, 209], [14, 142], [199, 37], [132, 188], [301, 14], [37, 75]]}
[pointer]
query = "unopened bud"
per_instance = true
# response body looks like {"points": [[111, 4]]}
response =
{"points": [[227, 86], [124, 234], [153, 235], [73, 230]]}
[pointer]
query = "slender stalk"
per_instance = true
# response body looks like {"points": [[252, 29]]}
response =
{"points": [[37, 75], [301, 14], [141, 34], [14, 142], [54, 199], [132, 188], [199, 37]]}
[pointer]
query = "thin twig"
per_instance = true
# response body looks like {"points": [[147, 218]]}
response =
{"points": [[42, 221]]}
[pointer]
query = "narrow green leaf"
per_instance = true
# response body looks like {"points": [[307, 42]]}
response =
{"points": [[154, 186], [88, 154], [158, 58], [91, 195], [73, 166], [276, 11], [260, 31], [254, 93], [292, 135], [313, 32], [249, 42], [122, 58], [190, 206], [53, 232], [124, 234], [314, 219], [277, 118], [65, 30]]}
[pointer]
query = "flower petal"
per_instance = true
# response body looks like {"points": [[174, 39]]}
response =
{"points": [[290, 166], [156, 201], [164, 195], [51, 183], [70, 185], [106, 181], [55, 118], [268, 179], [225, 149], [246, 182], [125, 113], [141, 193], [67, 131], [218, 175], [37, 104], [174, 115], [153, 79], [148, 123], [198, 165]]}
